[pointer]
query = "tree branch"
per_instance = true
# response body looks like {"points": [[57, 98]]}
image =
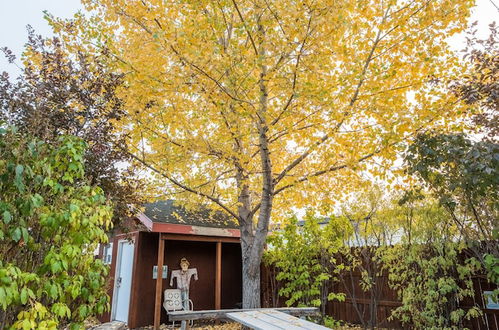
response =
{"points": [[204, 73], [295, 74], [245, 27], [183, 186], [322, 172], [354, 98]]}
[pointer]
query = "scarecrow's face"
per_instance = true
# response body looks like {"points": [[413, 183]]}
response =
{"points": [[184, 266]]}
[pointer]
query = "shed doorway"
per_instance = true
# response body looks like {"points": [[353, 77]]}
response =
{"points": [[123, 281]]}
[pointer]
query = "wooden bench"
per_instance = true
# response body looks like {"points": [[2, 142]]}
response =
{"points": [[272, 320], [217, 314]]}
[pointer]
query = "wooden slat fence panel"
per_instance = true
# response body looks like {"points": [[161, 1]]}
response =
{"points": [[358, 306]]}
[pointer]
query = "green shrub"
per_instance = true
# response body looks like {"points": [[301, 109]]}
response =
{"points": [[50, 225], [304, 259]]}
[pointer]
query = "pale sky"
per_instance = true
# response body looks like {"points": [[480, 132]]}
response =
{"points": [[16, 14]]}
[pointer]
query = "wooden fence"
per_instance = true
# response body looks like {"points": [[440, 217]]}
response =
{"points": [[375, 307]]}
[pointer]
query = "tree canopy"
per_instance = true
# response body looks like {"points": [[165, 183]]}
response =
{"points": [[252, 106]]}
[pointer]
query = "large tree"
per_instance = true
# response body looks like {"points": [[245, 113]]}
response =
{"points": [[57, 95], [258, 106]]}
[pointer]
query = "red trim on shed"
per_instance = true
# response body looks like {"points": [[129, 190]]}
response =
{"points": [[145, 220]]}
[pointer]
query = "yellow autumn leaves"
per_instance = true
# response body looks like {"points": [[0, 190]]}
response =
{"points": [[338, 75]]}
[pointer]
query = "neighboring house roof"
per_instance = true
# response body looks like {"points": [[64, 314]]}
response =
{"points": [[166, 216], [324, 221], [300, 223]]}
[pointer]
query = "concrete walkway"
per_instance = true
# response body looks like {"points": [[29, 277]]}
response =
{"points": [[115, 325]]}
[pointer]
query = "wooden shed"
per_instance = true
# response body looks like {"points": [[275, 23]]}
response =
{"points": [[209, 241]]}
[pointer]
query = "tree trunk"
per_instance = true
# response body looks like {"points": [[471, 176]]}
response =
{"points": [[252, 244], [251, 288], [253, 239]]}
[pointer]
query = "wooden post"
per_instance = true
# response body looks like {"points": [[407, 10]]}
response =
{"points": [[218, 277], [159, 283]]}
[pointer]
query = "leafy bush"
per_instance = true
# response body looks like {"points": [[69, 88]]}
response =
{"points": [[50, 225], [411, 239], [305, 259], [431, 280], [464, 176]]}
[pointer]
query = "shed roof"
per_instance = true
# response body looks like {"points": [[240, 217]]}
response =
{"points": [[168, 212], [168, 217]]}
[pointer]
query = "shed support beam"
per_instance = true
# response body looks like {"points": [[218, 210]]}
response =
{"points": [[159, 283], [218, 277]]}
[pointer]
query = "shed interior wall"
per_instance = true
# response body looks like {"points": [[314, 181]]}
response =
{"points": [[201, 255]]}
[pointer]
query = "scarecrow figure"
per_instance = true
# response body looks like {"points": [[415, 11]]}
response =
{"points": [[183, 276]]}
